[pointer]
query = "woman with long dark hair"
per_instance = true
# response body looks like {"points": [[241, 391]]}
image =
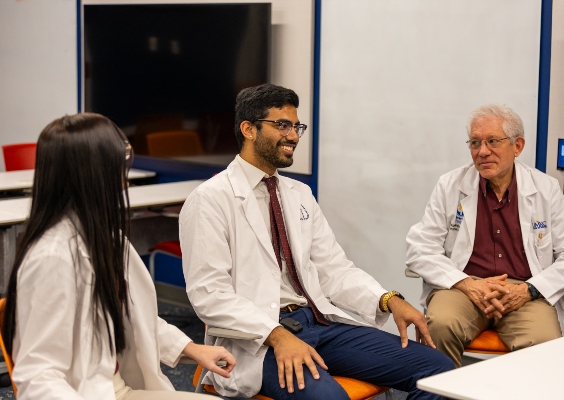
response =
{"points": [[81, 315]]}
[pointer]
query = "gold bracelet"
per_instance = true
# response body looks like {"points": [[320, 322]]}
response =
{"points": [[386, 297]]}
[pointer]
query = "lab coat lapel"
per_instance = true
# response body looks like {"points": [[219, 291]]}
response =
{"points": [[291, 209], [469, 191], [242, 190], [525, 189]]}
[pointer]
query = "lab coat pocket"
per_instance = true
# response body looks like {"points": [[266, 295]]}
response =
{"points": [[543, 249]]}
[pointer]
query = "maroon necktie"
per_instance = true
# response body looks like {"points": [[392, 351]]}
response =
{"points": [[279, 237]]}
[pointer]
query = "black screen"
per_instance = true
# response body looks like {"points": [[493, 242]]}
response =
{"points": [[162, 67]]}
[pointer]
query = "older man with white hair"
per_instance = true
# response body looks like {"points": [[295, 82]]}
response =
{"points": [[490, 246]]}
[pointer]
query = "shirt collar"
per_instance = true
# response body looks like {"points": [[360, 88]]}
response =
{"points": [[510, 189], [253, 174]]}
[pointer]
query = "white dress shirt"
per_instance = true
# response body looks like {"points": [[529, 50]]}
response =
{"points": [[288, 292]]}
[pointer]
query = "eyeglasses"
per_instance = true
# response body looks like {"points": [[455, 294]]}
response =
{"points": [[476, 144], [128, 154], [284, 127]]}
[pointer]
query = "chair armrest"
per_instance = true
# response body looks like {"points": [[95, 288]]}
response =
{"points": [[187, 360], [163, 212], [232, 334], [190, 361], [410, 274]]}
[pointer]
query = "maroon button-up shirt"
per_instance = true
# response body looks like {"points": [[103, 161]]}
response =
{"points": [[498, 244]]}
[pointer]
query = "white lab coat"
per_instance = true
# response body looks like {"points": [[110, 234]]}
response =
{"points": [[233, 278], [55, 354], [439, 247]]}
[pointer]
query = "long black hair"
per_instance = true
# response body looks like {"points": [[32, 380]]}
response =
{"points": [[81, 170]]}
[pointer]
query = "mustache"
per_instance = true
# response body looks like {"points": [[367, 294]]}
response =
{"points": [[283, 142]]}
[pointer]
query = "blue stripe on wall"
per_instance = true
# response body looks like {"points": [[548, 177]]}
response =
{"points": [[544, 84]]}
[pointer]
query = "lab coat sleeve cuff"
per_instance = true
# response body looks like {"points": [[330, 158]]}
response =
{"points": [[173, 354], [454, 276], [546, 288], [381, 318]]}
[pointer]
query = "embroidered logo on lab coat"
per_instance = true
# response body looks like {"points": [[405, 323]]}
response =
{"points": [[539, 225], [459, 218], [304, 213]]}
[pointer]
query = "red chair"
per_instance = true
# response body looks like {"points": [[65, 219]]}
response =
{"points": [[19, 156], [171, 248]]}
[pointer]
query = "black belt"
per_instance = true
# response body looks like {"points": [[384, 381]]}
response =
{"points": [[291, 308]]}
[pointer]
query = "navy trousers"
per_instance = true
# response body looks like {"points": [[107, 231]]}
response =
{"points": [[357, 352]]}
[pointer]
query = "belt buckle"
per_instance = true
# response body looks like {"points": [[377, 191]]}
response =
{"points": [[292, 307]]}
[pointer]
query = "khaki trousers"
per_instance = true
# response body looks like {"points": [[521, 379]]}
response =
{"points": [[454, 321], [124, 392]]}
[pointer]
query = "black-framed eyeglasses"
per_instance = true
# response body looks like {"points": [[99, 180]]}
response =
{"points": [[493, 143], [285, 126]]}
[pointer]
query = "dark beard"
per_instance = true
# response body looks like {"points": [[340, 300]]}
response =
{"points": [[269, 153]]}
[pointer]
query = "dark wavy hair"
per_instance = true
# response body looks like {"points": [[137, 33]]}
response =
{"points": [[81, 170], [253, 103]]}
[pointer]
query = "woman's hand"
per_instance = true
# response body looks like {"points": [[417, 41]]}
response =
{"points": [[208, 356]]}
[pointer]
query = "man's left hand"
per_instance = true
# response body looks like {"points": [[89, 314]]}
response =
{"points": [[404, 315], [517, 296]]}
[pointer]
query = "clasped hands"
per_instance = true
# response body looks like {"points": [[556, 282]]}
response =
{"points": [[495, 296]]}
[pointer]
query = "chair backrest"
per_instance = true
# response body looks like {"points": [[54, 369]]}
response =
{"points": [[7, 357], [174, 144], [19, 156]]}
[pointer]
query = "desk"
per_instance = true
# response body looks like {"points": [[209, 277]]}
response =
{"points": [[221, 160], [19, 180], [14, 212], [531, 373]]}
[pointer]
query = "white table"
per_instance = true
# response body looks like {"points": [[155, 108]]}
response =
{"points": [[531, 373], [19, 180], [13, 212]]}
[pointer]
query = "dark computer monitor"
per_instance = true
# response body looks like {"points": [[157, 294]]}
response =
{"points": [[170, 67], [560, 158]]}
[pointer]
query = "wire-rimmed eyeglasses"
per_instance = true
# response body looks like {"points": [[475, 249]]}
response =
{"points": [[285, 126], [128, 154], [494, 143]]}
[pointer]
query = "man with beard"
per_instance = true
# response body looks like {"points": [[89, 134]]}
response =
{"points": [[260, 257]]}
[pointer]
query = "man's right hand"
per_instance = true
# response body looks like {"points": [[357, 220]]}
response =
{"points": [[478, 289], [291, 353]]}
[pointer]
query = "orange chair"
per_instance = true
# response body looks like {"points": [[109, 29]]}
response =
{"points": [[19, 156], [487, 342], [357, 390], [171, 248], [7, 357], [177, 143]]}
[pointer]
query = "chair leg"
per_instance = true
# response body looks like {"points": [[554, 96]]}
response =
{"points": [[200, 385]]}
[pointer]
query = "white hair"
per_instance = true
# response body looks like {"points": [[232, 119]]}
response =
{"points": [[512, 124]]}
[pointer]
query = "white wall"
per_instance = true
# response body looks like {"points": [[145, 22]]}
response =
{"points": [[38, 77], [398, 80]]}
